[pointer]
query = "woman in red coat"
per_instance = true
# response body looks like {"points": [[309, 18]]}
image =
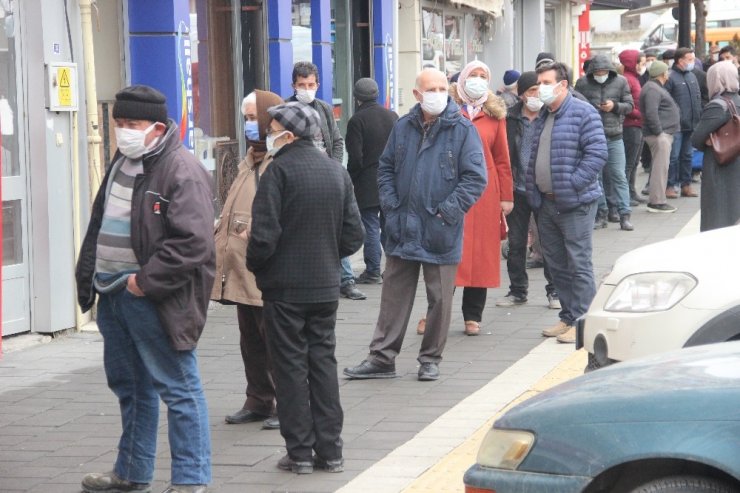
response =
{"points": [[480, 267]]}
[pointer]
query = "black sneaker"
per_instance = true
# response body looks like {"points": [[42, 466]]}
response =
{"points": [[664, 208], [298, 467], [350, 291], [110, 482], [335, 465], [428, 372], [369, 278], [511, 299], [368, 370]]}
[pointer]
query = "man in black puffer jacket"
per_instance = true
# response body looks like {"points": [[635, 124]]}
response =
{"points": [[610, 94]]}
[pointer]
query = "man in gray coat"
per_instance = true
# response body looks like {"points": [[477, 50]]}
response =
{"points": [[660, 120], [610, 94]]}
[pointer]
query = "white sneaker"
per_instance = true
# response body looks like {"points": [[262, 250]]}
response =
{"points": [[553, 302], [560, 328]]}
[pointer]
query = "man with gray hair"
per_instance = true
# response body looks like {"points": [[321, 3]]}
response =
{"points": [[431, 172], [304, 219]]}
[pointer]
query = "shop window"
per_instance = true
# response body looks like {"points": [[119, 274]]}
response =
{"points": [[8, 91], [12, 233], [301, 20], [454, 54], [476, 26], [433, 38]]}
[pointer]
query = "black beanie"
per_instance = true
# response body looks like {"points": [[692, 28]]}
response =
{"points": [[366, 89], [140, 103], [526, 81]]}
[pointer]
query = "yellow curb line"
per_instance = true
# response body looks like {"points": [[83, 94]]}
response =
{"points": [[446, 475]]}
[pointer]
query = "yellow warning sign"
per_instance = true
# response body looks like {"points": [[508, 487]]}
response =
{"points": [[64, 87]]}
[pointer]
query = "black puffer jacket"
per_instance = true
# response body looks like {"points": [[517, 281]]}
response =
{"points": [[615, 89], [684, 88], [171, 235]]}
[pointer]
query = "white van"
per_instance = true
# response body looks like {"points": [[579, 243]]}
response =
{"points": [[723, 23]]}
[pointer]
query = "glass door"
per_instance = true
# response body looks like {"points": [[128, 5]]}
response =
{"points": [[15, 288]]}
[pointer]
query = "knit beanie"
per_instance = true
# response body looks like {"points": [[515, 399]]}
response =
{"points": [[265, 100], [140, 103], [366, 89], [544, 58], [511, 76], [300, 119], [657, 69], [668, 55], [526, 81]]}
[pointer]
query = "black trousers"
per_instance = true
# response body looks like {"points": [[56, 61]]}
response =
{"points": [[473, 303], [256, 358], [516, 262], [302, 342]]}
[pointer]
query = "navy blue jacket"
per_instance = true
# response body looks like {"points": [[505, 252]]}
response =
{"points": [[684, 88], [427, 182], [577, 154]]}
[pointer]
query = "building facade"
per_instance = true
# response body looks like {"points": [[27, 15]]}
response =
{"points": [[205, 55]]}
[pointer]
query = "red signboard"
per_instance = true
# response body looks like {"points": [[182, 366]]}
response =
{"points": [[584, 38]]}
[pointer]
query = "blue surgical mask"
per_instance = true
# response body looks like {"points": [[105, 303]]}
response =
{"points": [[601, 78], [252, 130], [690, 67]]}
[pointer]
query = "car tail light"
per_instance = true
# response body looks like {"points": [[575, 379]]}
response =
{"points": [[474, 489]]}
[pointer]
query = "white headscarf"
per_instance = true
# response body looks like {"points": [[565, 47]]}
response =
{"points": [[473, 105], [722, 77]]}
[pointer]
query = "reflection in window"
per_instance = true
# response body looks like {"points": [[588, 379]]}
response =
{"points": [[432, 39], [301, 17], [8, 101], [12, 235], [476, 25], [453, 45]]}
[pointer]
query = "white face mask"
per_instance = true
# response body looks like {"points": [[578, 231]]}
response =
{"points": [[648, 65], [547, 93], [305, 96], [433, 103], [601, 78], [131, 142], [476, 87], [641, 70], [534, 104], [270, 142]]}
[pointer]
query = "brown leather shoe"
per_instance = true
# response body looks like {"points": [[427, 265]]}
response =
{"points": [[472, 328], [421, 327], [671, 193], [687, 191]]}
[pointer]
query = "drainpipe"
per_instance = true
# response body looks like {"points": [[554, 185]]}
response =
{"points": [[93, 137], [91, 97]]}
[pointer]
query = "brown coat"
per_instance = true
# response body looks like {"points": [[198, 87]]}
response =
{"points": [[481, 258], [234, 283]]}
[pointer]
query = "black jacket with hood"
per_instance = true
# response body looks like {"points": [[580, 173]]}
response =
{"points": [[615, 89], [171, 235]]}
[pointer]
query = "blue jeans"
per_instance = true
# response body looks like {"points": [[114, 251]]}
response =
{"points": [[372, 249], [141, 366], [346, 273], [566, 239], [679, 169], [616, 191]]}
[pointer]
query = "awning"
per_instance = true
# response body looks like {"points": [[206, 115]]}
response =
{"points": [[492, 7]]}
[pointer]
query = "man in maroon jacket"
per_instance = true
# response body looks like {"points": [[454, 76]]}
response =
{"points": [[634, 67]]}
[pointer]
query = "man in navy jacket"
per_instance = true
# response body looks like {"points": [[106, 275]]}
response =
{"points": [[568, 153], [430, 174]]}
